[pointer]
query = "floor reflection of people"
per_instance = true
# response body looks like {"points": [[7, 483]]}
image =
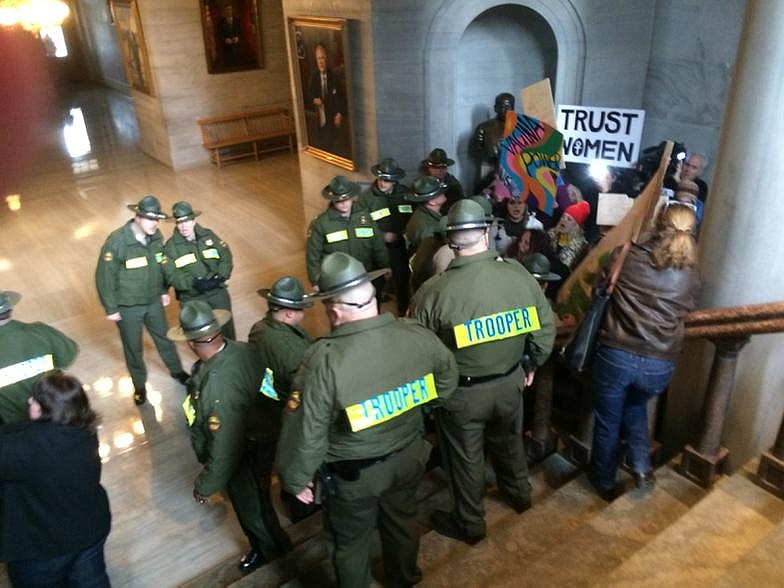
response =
{"points": [[327, 100]]}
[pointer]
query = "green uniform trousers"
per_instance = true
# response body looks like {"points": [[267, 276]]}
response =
{"points": [[487, 414], [217, 298], [249, 492], [151, 316], [401, 273], [384, 495]]}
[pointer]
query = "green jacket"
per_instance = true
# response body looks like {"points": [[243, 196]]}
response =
{"points": [[204, 257], [356, 235], [489, 311], [224, 408], [454, 191], [391, 211], [280, 347], [129, 273], [423, 236], [361, 388], [28, 350]]}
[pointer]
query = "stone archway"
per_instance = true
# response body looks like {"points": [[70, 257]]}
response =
{"points": [[442, 126]]}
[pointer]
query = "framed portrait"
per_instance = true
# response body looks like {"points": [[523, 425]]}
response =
{"points": [[232, 35], [319, 53], [130, 36]]}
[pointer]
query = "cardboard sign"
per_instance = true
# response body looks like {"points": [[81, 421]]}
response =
{"points": [[608, 135], [612, 208], [537, 100]]}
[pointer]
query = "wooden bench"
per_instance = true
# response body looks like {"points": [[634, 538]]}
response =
{"points": [[256, 131]]}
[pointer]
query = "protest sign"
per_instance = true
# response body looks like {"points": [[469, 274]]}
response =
{"points": [[608, 135], [612, 208]]}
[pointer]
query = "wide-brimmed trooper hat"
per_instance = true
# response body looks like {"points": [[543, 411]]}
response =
{"points": [[198, 321], [8, 299], [437, 158], [487, 207], [388, 169], [287, 292], [538, 266], [183, 211], [340, 271], [425, 188], [466, 214], [340, 188], [149, 207]]}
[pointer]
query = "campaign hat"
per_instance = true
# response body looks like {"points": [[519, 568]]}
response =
{"points": [[340, 188], [8, 299], [183, 211], [287, 292], [388, 169], [438, 158], [340, 272], [149, 207], [425, 188], [197, 321]]}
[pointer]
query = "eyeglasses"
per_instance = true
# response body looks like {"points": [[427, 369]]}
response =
{"points": [[352, 304], [205, 341]]}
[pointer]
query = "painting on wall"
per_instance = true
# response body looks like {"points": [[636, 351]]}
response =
{"points": [[134, 50], [319, 53], [232, 35]]}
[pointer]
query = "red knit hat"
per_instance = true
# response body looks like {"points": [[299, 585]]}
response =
{"points": [[579, 212]]}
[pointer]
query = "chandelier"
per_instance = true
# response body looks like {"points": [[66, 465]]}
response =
{"points": [[33, 15]]}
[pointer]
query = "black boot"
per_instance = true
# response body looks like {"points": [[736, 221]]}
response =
{"points": [[140, 396]]}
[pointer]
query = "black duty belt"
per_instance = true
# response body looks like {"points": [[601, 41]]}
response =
{"points": [[349, 469], [468, 381]]}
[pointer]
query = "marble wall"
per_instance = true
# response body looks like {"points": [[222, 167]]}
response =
{"points": [[101, 40], [692, 57]]}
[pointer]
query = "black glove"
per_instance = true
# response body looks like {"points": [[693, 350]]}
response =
{"points": [[201, 285]]}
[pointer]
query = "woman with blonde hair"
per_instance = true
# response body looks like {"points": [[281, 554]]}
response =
{"points": [[638, 343]]}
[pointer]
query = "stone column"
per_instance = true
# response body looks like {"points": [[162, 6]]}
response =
{"points": [[770, 474], [740, 248]]}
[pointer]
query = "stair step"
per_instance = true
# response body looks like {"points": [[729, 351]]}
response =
{"points": [[619, 530], [703, 544], [760, 565], [511, 538]]}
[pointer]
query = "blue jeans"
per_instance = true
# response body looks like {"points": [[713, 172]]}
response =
{"points": [[83, 569], [622, 384]]}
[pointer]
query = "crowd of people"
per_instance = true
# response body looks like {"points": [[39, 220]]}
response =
{"points": [[341, 419]]}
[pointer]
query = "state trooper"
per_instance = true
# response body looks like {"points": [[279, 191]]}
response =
{"points": [[357, 419], [280, 342], [423, 231], [344, 226], [435, 165], [199, 263], [231, 429], [386, 200], [27, 351], [500, 328], [131, 285]]}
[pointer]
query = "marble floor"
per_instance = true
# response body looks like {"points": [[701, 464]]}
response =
{"points": [[74, 194]]}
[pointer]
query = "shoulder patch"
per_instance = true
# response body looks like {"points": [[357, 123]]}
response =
{"points": [[294, 401], [213, 423], [108, 256]]}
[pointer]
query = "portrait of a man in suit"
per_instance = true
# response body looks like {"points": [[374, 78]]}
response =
{"points": [[325, 100]]}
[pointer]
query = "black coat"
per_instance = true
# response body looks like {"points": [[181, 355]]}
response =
{"points": [[51, 499]]}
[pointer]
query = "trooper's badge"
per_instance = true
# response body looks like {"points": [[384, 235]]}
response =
{"points": [[213, 423], [293, 402], [108, 256], [208, 242]]}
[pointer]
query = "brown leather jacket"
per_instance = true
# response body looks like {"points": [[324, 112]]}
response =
{"points": [[645, 313]]}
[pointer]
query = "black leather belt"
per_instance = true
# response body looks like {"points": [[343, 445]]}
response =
{"points": [[468, 381], [349, 469]]}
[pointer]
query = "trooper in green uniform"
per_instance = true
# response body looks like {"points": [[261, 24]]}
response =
{"points": [[355, 415], [280, 341], [131, 286], [27, 351], [386, 201], [344, 226], [423, 231], [232, 429], [436, 164], [199, 263], [493, 315]]}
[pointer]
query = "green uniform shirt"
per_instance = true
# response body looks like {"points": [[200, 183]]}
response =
{"points": [[28, 350], [281, 348], [224, 408], [423, 238], [391, 211], [381, 364], [356, 235], [203, 257], [128, 272], [489, 311]]}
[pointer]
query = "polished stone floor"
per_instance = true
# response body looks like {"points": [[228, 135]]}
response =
{"points": [[75, 193]]}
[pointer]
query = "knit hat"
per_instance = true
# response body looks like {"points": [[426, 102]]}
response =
{"points": [[579, 212]]}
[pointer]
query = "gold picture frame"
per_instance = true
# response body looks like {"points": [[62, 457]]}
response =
{"points": [[130, 36], [319, 52], [232, 35]]}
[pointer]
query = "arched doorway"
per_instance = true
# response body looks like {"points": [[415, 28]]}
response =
{"points": [[503, 49]]}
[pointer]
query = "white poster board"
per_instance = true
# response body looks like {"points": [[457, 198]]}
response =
{"points": [[612, 208], [608, 135]]}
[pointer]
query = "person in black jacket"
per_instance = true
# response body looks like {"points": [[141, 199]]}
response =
{"points": [[54, 513]]}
